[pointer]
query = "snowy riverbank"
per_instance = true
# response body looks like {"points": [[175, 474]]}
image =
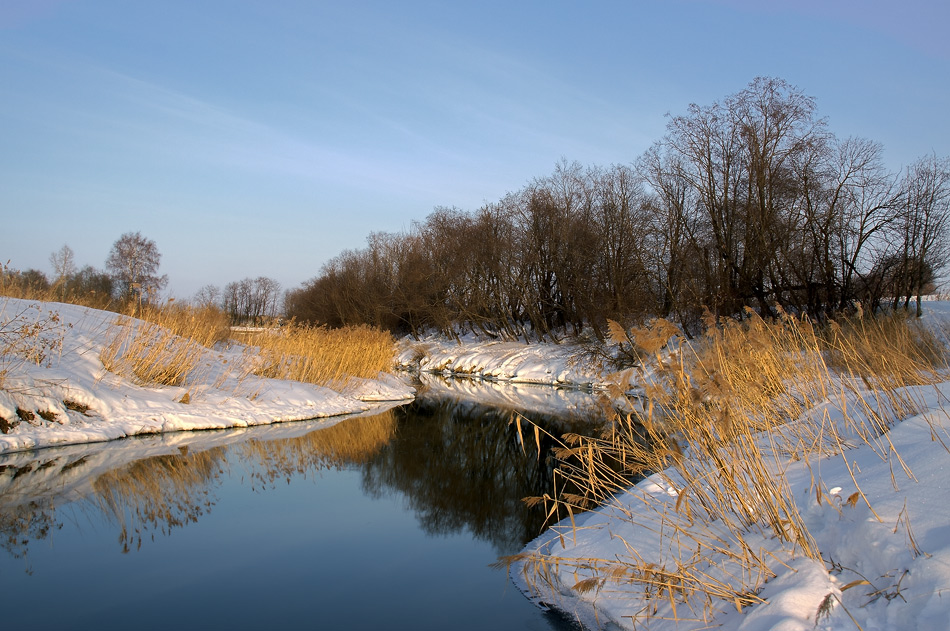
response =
{"points": [[543, 363], [885, 559], [68, 397], [878, 513]]}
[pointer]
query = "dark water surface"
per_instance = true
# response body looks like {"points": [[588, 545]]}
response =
{"points": [[383, 522]]}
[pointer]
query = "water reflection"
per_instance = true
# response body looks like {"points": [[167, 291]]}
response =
{"points": [[158, 494], [460, 465], [148, 486]]}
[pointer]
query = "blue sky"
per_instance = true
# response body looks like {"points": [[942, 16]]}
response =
{"points": [[262, 138]]}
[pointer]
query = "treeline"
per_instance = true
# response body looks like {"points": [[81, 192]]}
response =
{"points": [[750, 201], [249, 301], [131, 281], [87, 285]]}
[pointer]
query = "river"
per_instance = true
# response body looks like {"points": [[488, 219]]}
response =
{"points": [[385, 521]]}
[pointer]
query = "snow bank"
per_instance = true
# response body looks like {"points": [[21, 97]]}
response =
{"points": [[885, 551], [537, 363], [69, 397], [886, 561]]}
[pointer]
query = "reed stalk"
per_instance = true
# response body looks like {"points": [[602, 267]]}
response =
{"points": [[719, 421]]}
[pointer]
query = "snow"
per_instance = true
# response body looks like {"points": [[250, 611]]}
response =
{"points": [[515, 362], [885, 563], [71, 339]]}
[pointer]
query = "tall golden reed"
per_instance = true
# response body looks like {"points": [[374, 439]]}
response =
{"points": [[321, 355], [718, 422], [170, 346]]}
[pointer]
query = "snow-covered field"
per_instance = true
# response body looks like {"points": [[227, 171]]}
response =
{"points": [[886, 561], [84, 403]]}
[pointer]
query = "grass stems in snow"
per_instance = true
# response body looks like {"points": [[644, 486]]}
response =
{"points": [[169, 348], [153, 355], [322, 355], [719, 421]]}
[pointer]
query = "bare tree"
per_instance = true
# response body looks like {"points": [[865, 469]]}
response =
{"points": [[748, 202], [64, 263], [133, 263], [95, 286], [251, 301], [64, 266], [207, 296], [923, 226]]}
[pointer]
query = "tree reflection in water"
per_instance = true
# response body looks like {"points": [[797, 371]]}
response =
{"points": [[462, 465]]}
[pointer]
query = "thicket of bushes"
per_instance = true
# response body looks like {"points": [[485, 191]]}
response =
{"points": [[750, 201], [87, 286]]}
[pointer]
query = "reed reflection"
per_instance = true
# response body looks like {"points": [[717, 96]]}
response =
{"points": [[462, 465], [143, 497]]}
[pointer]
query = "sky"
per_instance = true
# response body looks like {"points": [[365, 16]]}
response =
{"points": [[257, 138]]}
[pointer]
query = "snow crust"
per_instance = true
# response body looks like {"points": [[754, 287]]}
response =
{"points": [[104, 406]]}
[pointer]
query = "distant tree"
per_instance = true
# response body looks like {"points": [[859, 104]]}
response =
{"points": [[922, 227], [133, 263], [207, 296], [34, 282], [64, 263], [251, 301]]}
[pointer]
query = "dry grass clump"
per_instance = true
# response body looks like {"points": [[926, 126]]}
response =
{"points": [[150, 354], [714, 425], [206, 325], [321, 355], [25, 339], [169, 348], [893, 349]]}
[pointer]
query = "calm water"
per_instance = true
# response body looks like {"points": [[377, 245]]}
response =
{"points": [[382, 522]]}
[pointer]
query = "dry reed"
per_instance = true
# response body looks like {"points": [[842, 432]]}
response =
{"points": [[321, 355], [206, 325], [168, 346], [150, 354], [715, 426], [162, 493]]}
